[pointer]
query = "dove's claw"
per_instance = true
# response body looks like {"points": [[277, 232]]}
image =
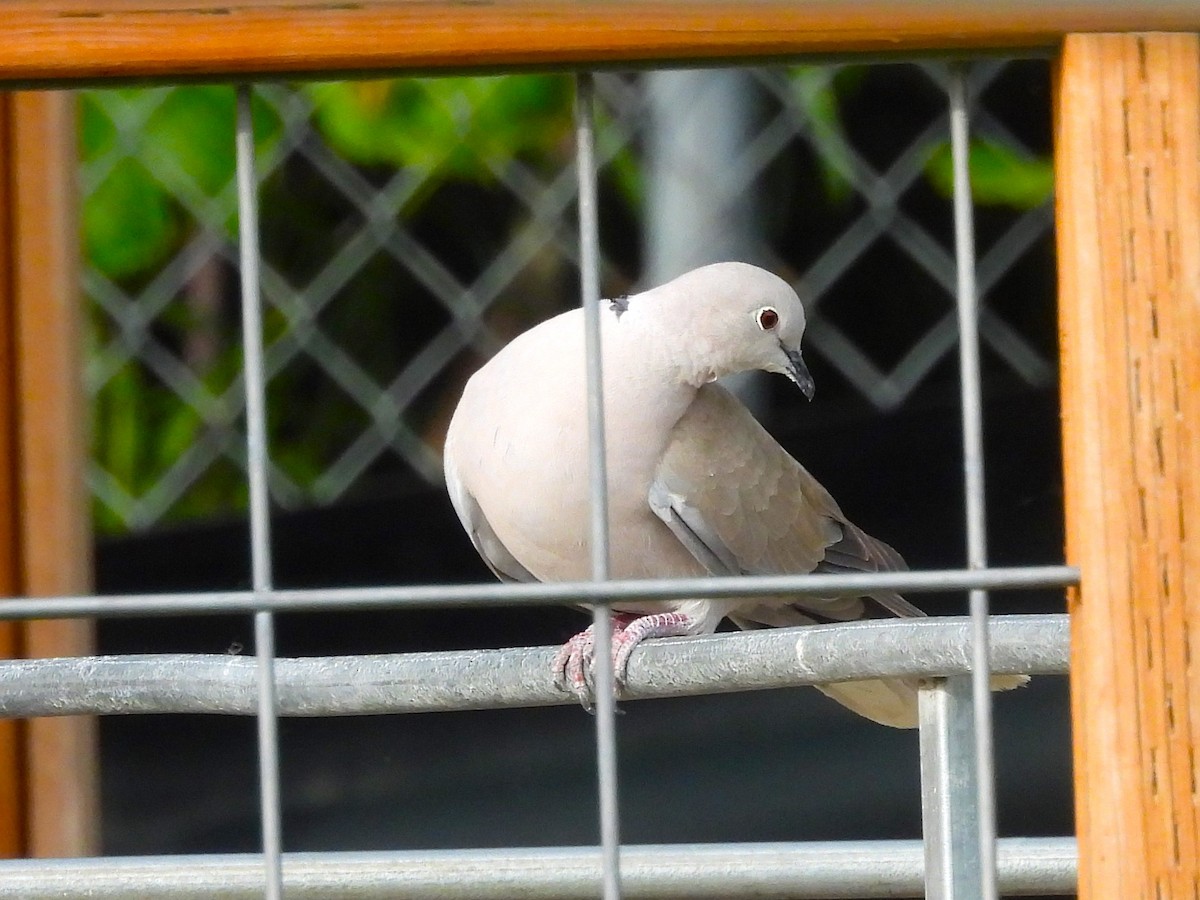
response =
{"points": [[672, 624], [573, 664]]}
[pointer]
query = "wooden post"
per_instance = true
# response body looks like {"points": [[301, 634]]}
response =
{"points": [[45, 545], [12, 732], [1128, 162]]}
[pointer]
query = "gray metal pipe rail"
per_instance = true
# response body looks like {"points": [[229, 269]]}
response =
{"points": [[479, 679], [859, 869]]}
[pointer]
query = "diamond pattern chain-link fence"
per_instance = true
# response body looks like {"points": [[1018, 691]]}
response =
{"points": [[410, 228]]}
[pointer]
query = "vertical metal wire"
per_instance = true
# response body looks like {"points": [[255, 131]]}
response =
{"points": [[604, 683], [260, 525], [972, 404]]}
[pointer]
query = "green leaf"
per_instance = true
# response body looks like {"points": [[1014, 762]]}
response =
{"points": [[174, 435], [627, 174], [383, 122], [449, 126], [96, 130], [129, 225], [122, 412], [522, 116], [194, 127], [818, 96], [1000, 175]]}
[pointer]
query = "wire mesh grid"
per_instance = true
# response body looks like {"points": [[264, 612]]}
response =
{"points": [[953, 865]]}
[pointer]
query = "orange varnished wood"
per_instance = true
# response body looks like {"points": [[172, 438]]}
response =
{"points": [[12, 732], [52, 499], [1128, 162], [103, 39]]}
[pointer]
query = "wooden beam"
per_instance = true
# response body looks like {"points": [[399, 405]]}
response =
{"points": [[45, 543], [86, 40], [1128, 162]]}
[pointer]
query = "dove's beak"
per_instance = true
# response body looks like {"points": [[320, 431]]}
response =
{"points": [[798, 372]]}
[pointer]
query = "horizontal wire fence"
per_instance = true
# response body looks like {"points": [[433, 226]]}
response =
{"points": [[349, 685], [533, 594]]}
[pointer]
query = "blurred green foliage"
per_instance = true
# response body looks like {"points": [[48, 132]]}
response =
{"points": [[133, 220], [129, 222], [448, 128], [458, 127], [171, 174], [1000, 175], [819, 94]]}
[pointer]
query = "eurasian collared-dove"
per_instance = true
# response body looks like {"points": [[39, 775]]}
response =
{"points": [[696, 486]]}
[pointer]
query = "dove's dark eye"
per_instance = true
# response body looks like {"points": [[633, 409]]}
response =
{"points": [[767, 318]]}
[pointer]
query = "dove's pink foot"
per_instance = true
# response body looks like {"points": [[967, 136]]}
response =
{"points": [[572, 665]]}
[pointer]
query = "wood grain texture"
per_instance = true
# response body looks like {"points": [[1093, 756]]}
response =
{"points": [[46, 416], [12, 732], [1128, 162], [87, 40]]}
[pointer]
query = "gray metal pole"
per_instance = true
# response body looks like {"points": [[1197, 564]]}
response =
{"points": [[516, 676], [949, 789], [700, 122]]}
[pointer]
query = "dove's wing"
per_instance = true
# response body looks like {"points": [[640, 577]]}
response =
{"points": [[742, 505]]}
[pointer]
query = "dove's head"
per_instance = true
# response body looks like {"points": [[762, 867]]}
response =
{"points": [[731, 317]]}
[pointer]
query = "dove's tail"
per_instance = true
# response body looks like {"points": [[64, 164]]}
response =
{"points": [[888, 701], [893, 701]]}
